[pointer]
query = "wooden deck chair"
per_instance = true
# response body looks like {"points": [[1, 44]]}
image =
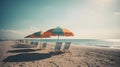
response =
{"points": [[66, 46], [57, 46], [25, 42], [29, 42], [43, 45], [35, 43]]}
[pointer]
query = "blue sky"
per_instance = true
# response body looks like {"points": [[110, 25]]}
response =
{"points": [[86, 18]]}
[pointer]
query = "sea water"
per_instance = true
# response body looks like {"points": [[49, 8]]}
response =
{"points": [[111, 43]]}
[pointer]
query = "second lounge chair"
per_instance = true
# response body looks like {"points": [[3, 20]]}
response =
{"points": [[66, 46], [57, 47], [43, 45]]}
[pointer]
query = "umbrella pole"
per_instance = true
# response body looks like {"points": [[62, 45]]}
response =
{"points": [[39, 44], [58, 37]]}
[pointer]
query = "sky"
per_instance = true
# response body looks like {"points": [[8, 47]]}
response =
{"points": [[87, 19]]}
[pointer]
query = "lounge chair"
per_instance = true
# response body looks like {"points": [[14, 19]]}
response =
{"points": [[34, 43], [66, 46], [29, 42], [17, 41], [38, 45], [43, 45], [57, 46], [57, 49], [20, 41], [25, 41]]}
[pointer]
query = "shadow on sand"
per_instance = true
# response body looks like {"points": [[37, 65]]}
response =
{"points": [[24, 57], [22, 46], [23, 50]]}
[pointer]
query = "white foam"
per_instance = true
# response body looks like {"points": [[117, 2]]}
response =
{"points": [[112, 40]]}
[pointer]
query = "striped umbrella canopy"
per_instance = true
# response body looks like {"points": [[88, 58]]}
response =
{"points": [[29, 36], [58, 31], [38, 34]]}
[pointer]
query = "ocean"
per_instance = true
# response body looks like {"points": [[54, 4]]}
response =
{"points": [[110, 43]]}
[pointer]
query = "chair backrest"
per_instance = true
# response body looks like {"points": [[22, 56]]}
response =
{"points": [[35, 43], [29, 42], [43, 45], [66, 46], [38, 45], [25, 41], [21, 41], [58, 46]]}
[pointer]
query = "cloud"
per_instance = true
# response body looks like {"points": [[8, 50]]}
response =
{"points": [[34, 29], [117, 13], [16, 34], [98, 33], [10, 31], [13, 34], [104, 3]]}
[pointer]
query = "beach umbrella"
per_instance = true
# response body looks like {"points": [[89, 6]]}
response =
{"points": [[58, 31], [29, 36], [38, 34]]}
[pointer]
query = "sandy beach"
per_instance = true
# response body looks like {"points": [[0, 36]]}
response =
{"points": [[79, 56]]}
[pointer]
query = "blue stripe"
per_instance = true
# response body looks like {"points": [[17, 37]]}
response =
{"points": [[37, 34], [58, 31]]}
